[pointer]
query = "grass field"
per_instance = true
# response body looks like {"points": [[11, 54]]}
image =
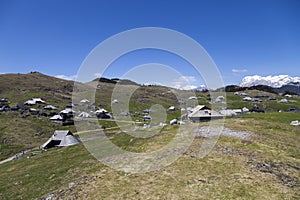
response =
{"points": [[263, 166], [17, 133]]}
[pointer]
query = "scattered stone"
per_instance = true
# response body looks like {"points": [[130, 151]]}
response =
{"points": [[52, 176], [50, 196], [72, 184], [210, 131], [278, 170], [295, 123]]}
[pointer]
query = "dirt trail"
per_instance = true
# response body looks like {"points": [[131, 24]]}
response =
{"points": [[18, 155]]}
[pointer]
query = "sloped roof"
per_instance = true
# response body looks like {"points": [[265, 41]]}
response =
{"points": [[205, 113], [283, 101], [56, 117], [68, 140], [84, 101], [61, 138], [30, 102], [60, 134], [67, 110], [101, 110], [147, 117], [171, 108], [173, 121], [196, 109], [3, 100], [115, 101], [231, 112], [192, 97], [237, 110], [33, 101], [38, 100], [84, 114], [50, 107]]}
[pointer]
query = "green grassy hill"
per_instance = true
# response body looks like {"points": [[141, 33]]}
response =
{"points": [[18, 133], [20, 87], [266, 165]]}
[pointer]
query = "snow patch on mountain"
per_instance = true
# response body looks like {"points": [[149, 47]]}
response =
{"points": [[201, 88], [272, 81]]}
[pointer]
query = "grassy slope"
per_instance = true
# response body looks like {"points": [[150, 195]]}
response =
{"points": [[233, 170], [30, 178], [20, 87], [220, 175], [17, 133]]}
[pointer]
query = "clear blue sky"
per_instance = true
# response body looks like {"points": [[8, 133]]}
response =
{"points": [[243, 37]]}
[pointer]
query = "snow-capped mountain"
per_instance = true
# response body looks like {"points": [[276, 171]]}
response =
{"points": [[201, 88], [272, 81]]}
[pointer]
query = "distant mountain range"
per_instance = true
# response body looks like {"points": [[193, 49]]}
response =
{"points": [[201, 88], [278, 84], [272, 81], [43, 83]]}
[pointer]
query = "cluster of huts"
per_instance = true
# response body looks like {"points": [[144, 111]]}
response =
{"points": [[195, 114], [198, 113], [37, 106], [4, 105], [69, 114], [25, 109], [259, 98]]}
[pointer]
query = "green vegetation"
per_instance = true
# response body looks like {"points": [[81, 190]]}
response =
{"points": [[20, 87], [266, 165], [45, 172], [281, 118], [17, 133], [235, 101]]}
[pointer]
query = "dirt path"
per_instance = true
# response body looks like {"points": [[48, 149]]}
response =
{"points": [[203, 131], [18, 155]]}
